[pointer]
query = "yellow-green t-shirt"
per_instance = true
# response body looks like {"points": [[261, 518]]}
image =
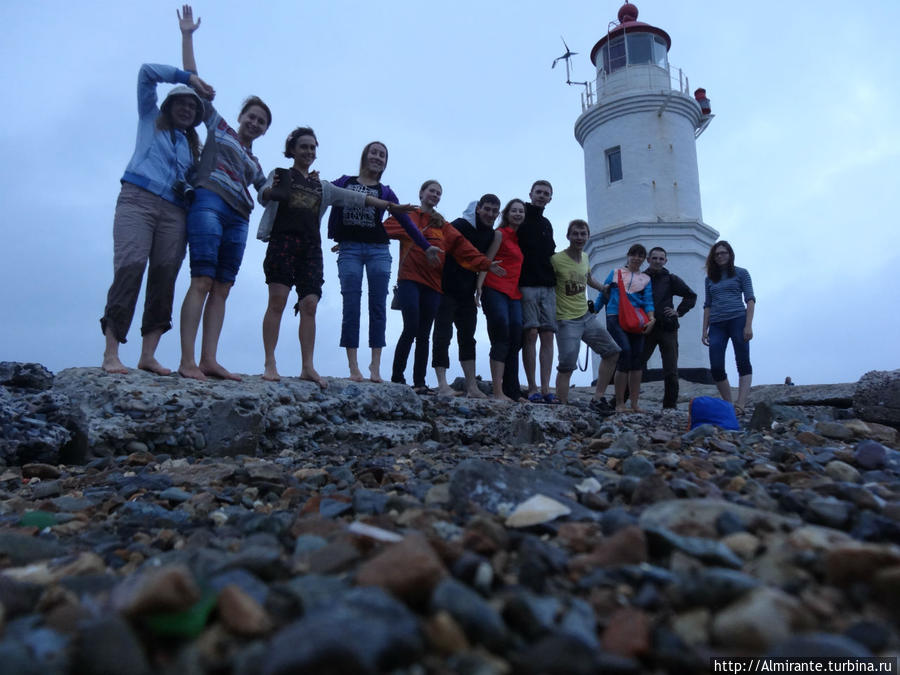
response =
{"points": [[571, 281]]}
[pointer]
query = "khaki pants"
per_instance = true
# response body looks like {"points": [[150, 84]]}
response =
{"points": [[146, 228]]}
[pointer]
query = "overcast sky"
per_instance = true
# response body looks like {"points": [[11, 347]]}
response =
{"points": [[796, 170]]}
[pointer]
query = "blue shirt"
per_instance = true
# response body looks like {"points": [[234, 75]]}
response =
{"points": [[638, 288], [161, 157], [726, 298]]}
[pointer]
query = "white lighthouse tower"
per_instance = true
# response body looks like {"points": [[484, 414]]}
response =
{"points": [[640, 165]]}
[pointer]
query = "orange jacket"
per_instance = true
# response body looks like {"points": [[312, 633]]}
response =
{"points": [[413, 263]]}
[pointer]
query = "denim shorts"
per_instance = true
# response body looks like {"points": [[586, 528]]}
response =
{"points": [[539, 308], [217, 235], [572, 332]]}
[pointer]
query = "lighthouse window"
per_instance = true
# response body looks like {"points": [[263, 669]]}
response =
{"points": [[614, 54], [640, 48], [614, 163], [659, 52]]}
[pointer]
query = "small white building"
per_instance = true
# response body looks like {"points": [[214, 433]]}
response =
{"points": [[638, 128]]}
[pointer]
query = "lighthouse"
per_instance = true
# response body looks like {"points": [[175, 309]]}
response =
{"points": [[638, 129]]}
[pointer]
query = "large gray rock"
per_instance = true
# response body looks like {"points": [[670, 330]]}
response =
{"points": [[838, 395], [877, 397], [98, 414], [35, 420], [180, 416]]}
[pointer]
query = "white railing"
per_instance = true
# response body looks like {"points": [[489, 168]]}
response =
{"points": [[647, 75]]}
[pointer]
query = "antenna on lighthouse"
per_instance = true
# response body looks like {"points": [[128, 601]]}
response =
{"points": [[565, 57], [586, 96]]}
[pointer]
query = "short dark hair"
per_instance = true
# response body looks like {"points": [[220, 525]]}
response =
{"points": [[362, 159], [713, 271], [541, 182], [504, 215], [657, 248], [488, 198], [578, 222], [292, 138], [637, 249], [256, 100]]}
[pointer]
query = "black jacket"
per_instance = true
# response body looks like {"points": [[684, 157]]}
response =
{"points": [[536, 241], [665, 285], [457, 280]]}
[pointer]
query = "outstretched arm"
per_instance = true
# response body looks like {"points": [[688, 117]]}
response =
{"points": [[187, 26]]}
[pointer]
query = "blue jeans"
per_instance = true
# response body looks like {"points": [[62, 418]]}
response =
{"points": [[504, 325], [631, 344], [719, 334], [217, 235], [353, 256], [419, 305]]}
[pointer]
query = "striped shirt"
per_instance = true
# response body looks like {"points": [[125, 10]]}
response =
{"points": [[724, 298], [227, 167]]}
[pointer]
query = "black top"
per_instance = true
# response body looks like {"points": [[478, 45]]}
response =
{"points": [[536, 241], [665, 285], [360, 223], [457, 280], [299, 214]]}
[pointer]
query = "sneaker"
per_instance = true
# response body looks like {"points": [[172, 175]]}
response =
{"points": [[601, 407]]}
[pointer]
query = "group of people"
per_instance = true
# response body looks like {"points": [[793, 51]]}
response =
{"points": [[176, 195]]}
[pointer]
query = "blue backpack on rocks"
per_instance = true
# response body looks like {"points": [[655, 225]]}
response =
{"points": [[710, 410]]}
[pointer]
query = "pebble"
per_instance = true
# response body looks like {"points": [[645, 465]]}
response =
{"points": [[870, 454], [757, 621]]}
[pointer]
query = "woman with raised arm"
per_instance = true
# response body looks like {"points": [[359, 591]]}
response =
{"points": [[362, 244], [295, 201], [149, 223], [218, 219], [419, 282], [501, 301], [728, 315]]}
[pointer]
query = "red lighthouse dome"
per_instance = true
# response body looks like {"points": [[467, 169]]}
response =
{"points": [[631, 42]]}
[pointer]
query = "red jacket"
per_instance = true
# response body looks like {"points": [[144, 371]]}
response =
{"points": [[414, 265]]}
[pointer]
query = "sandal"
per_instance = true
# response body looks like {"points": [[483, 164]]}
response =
{"points": [[551, 398], [422, 390], [536, 398]]}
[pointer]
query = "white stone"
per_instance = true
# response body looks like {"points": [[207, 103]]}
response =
{"points": [[535, 510]]}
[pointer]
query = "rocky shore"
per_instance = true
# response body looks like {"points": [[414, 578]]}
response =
{"points": [[161, 525]]}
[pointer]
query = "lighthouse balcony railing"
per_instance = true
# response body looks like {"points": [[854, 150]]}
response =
{"points": [[647, 77]]}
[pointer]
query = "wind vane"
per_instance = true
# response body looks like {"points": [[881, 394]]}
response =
{"points": [[565, 57]]}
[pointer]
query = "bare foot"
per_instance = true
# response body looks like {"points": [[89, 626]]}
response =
{"points": [[375, 372], [446, 391], [191, 371], [215, 370], [637, 409], [475, 392], [151, 365], [356, 375], [270, 374], [503, 398], [311, 375], [112, 364], [621, 408]]}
